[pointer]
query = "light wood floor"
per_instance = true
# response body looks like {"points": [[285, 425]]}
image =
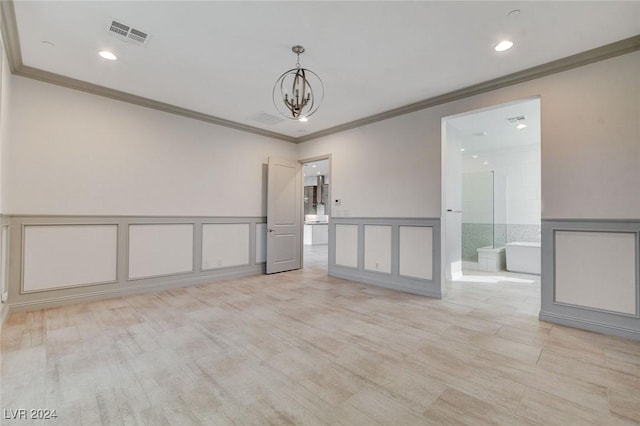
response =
{"points": [[303, 348]]}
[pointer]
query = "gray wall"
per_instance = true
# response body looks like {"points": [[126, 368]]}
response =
{"points": [[589, 156]]}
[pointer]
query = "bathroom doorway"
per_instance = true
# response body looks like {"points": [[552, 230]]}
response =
{"points": [[492, 194], [316, 212]]}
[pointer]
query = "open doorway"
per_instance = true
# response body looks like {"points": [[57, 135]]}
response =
{"points": [[316, 212], [492, 195]]}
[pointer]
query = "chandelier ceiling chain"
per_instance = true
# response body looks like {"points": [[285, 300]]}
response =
{"points": [[293, 93]]}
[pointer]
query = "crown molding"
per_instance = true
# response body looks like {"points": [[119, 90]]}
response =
{"points": [[14, 54], [10, 34], [60, 80]]}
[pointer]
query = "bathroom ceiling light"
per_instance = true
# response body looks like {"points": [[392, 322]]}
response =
{"points": [[107, 55], [521, 126], [485, 163], [461, 149], [303, 119], [475, 156], [503, 45]]}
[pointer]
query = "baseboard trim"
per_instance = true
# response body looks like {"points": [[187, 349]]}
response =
{"points": [[596, 327], [471, 266], [371, 279], [138, 289]]}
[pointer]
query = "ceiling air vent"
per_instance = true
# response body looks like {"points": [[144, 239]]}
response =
{"points": [[516, 118], [127, 34], [266, 118]]}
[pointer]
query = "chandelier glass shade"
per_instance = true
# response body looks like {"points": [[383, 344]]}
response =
{"points": [[298, 93]]}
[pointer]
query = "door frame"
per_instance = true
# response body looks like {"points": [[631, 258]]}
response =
{"points": [[445, 151], [302, 161]]}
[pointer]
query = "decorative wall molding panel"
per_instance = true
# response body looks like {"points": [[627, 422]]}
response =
{"points": [[157, 250], [225, 245], [591, 275], [59, 256], [4, 265], [597, 270], [377, 248], [416, 252], [261, 243], [346, 245], [397, 253], [4, 256], [54, 260]]}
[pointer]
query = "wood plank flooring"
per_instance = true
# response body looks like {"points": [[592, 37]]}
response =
{"points": [[304, 348]]}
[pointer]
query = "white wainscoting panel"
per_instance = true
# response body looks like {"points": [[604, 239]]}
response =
{"points": [[346, 245], [4, 256], [160, 249], [58, 256], [596, 270], [225, 245], [416, 251], [261, 242], [377, 248]]}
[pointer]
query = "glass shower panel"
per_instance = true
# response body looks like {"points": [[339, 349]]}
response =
{"points": [[477, 213], [499, 210]]}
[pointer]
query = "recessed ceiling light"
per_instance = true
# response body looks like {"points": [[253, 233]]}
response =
{"points": [[313, 165], [475, 156], [107, 55], [521, 126], [461, 149], [486, 162], [303, 119], [503, 45]]}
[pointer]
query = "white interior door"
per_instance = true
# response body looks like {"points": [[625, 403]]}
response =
{"points": [[284, 215]]}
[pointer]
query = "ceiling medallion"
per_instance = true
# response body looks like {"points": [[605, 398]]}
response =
{"points": [[298, 92]]}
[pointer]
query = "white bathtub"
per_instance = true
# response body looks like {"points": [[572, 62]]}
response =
{"points": [[523, 257]]}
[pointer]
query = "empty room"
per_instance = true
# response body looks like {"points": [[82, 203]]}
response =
{"points": [[349, 213]]}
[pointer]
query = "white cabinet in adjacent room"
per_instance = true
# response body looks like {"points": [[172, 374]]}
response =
{"points": [[317, 233]]}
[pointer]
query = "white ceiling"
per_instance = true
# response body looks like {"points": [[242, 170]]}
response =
{"points": [[222, 58], [486, 133], [315, 168], [490, 129]]}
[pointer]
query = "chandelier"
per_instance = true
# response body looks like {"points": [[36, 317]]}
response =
{"points": [[298, 92]]}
